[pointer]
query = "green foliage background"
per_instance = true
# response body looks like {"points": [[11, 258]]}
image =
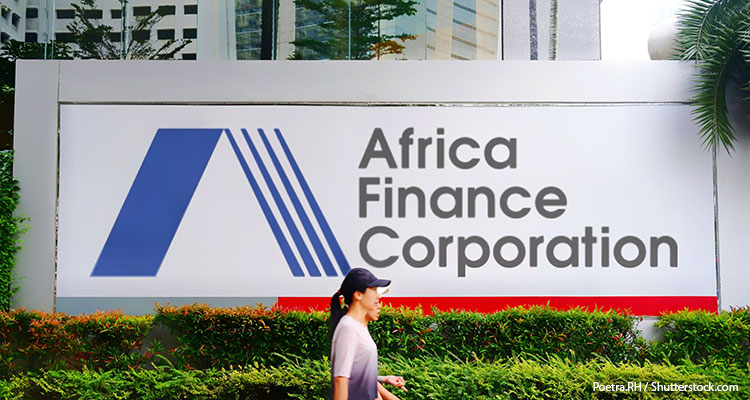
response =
{"points": [[698, 337], [34, 341], [553, 378], [11, 227], [257, 353], [226, 337]]}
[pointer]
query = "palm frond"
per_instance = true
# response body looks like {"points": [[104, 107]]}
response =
{"points": [[746, 55], [715, 35], [696, 21]]}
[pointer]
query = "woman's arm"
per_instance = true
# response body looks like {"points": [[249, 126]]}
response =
{"points": [[341, 388], [384, 393], [397, 381]]}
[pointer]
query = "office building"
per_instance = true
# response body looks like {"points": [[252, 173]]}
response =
{"points": [[49, 20], [11, 20], [266, 29]]}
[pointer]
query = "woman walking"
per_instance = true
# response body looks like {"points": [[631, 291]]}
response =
{"points": [[354, 355]]}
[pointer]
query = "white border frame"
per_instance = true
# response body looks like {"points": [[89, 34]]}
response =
{"points": [[43, 85]]}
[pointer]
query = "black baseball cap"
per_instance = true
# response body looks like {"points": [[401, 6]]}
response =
{"points": [[358, 278]]}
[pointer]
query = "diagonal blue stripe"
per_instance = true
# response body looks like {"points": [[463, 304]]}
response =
{"points": [[314, 239], [330, 238], [156, 203], [312, 267], [286, 250]]}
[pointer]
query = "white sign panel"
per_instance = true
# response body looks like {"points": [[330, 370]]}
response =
{"points": [[252, 201]]}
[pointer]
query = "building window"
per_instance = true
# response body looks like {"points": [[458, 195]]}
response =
{"points": [[93, 14], [15, 19], [31, 37], [167, 10], [116, 13], [66, 14], [189, 56], [4, 37], [141, 35], [114, 36], [165, 34], [65, 37], [190, 33], [191, 9], [32, 13], [4, 11], [141, 11]]}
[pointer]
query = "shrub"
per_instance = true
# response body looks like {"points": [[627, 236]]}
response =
{"points": [[702, 337], [554, 378], [223, 337], [536, 331], [233, 337], [11, 227], [33, 340]]}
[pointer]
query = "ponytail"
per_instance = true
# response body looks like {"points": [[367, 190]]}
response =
{"points": [[336, 310], [336, 313]]}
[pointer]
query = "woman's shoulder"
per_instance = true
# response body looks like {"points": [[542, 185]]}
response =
{"points": [[349, 325], [345, 330], [347, 321]]}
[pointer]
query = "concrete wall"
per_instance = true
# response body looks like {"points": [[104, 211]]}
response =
{"points": [[37, 97]]}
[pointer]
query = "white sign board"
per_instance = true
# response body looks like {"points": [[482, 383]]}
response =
{"points": [[488, 202]]}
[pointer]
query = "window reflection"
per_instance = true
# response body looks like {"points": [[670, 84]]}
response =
{"points": [[346, 29], [366, 29], [248, 24]]}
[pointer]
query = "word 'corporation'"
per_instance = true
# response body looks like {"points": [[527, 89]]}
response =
{"points": [[389, 198]]}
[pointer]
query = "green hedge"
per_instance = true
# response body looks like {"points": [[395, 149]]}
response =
{"points": [[227, 337], [223, 337], [535, 331], [11, 227], [701, 337], [426, 379], [32, 340]]}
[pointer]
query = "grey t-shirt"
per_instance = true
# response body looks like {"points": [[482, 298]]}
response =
{"points": [[354, 355]]}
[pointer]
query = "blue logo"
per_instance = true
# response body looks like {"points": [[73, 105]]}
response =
{"points": [[165, 184]]}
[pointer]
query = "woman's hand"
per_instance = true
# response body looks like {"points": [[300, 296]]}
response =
{"points": [[397, 381]]}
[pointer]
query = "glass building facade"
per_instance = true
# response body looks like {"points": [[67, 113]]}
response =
{"points": [[435, 30], [307, 26], [248, 28]]}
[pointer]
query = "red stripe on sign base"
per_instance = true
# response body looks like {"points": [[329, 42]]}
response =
{"points": [[638, 305]]}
